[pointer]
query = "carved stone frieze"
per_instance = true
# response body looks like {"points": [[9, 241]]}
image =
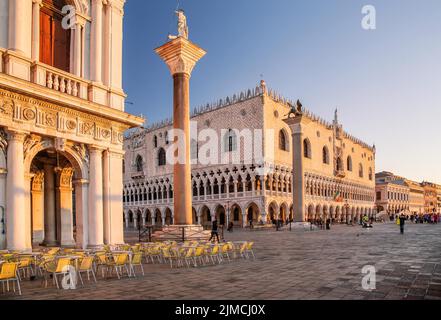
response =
{"points": [[17, 108]]}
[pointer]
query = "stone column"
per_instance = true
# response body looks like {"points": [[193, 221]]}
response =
{"points": [[15, 190], [96, 236], [65, 207], [28, 211], [37, 208], [82, 209], [96, 41], [49, 206], [78, 46], [36, 5], [297, 125], [181, 56], [20, 26]]}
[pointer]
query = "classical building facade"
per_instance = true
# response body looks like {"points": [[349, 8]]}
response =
{"points": [[396, 194], [392, 193], [257, 184], [430, 197], [62, 121]]}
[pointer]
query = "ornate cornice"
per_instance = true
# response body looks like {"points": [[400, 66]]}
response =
{"points": [[24, 110]]}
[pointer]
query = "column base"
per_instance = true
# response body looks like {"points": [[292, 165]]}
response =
{"points": [[49, 243], [182, 233]]}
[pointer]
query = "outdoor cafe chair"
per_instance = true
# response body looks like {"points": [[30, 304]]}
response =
{"points": [[56, 267], [136, 261], [120, 261], [86, 266], [8, 273]]}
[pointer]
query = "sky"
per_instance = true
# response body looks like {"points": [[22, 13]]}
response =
{"points": [[386, 83]]}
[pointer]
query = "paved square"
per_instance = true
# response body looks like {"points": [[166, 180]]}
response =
{"points": [[290, 265]]}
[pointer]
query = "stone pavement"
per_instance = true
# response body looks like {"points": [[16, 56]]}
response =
{"points": [[290, 265]]}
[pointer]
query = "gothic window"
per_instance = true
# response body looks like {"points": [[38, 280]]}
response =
{"points": [[54, 39], [166, 138], [339, 164], [139, 164], [230, 141], [155, 141], [161, 157], [325, 155], [360, 170], [307, 149], [349, 163], [283, 141], [370, 174]]}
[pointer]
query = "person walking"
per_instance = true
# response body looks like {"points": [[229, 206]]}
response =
{"points": [[214, 231], [402, 220]]}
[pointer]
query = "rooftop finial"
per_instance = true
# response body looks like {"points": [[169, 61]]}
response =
{"points": [[336, 115]]}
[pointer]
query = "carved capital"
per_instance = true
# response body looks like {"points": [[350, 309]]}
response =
{"points": [[180, 55]]}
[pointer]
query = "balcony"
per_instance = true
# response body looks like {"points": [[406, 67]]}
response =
{"points": [[59, 81]]}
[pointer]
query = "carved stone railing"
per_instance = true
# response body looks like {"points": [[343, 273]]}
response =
{"points": [[58, 80]]}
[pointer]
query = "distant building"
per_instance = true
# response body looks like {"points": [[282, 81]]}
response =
{"points": [[395, 194]]}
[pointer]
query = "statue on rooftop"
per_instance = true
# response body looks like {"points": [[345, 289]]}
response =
{"points": [[182, 25]]}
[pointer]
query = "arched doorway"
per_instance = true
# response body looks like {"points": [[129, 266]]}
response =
{"points": [[205, 217], [54, 201], [168, 217], [220, 215], [253, 213], [236, 215]]}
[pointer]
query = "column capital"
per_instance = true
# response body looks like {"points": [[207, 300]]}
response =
{"points": [[38, 2], [180, 55], [96, 149], [16, 135]]}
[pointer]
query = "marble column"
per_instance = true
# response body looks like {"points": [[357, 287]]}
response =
{"points": [[37, 208], [96, 232], [297, 125], [36, 5], [65, 213], [20, 26], [78, 46], [181, 56], [82, 209], [15, 191], [96, 41], [50, 226]]}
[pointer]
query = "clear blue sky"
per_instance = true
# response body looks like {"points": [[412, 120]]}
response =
{"points": [[386, 83]]}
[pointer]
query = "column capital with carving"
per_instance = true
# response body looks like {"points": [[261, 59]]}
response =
{"points": [[180, 55]]}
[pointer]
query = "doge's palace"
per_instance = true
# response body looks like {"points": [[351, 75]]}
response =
{"points": [[337, 175], [62, 121]]}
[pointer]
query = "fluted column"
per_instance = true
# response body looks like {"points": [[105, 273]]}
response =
{"points": [[96, 236], [15, 190], [96, 49]]}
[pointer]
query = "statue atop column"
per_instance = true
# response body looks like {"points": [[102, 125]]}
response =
{"points": [[182, 25]]}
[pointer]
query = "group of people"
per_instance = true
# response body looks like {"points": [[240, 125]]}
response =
{"points": [[419, 218]]}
